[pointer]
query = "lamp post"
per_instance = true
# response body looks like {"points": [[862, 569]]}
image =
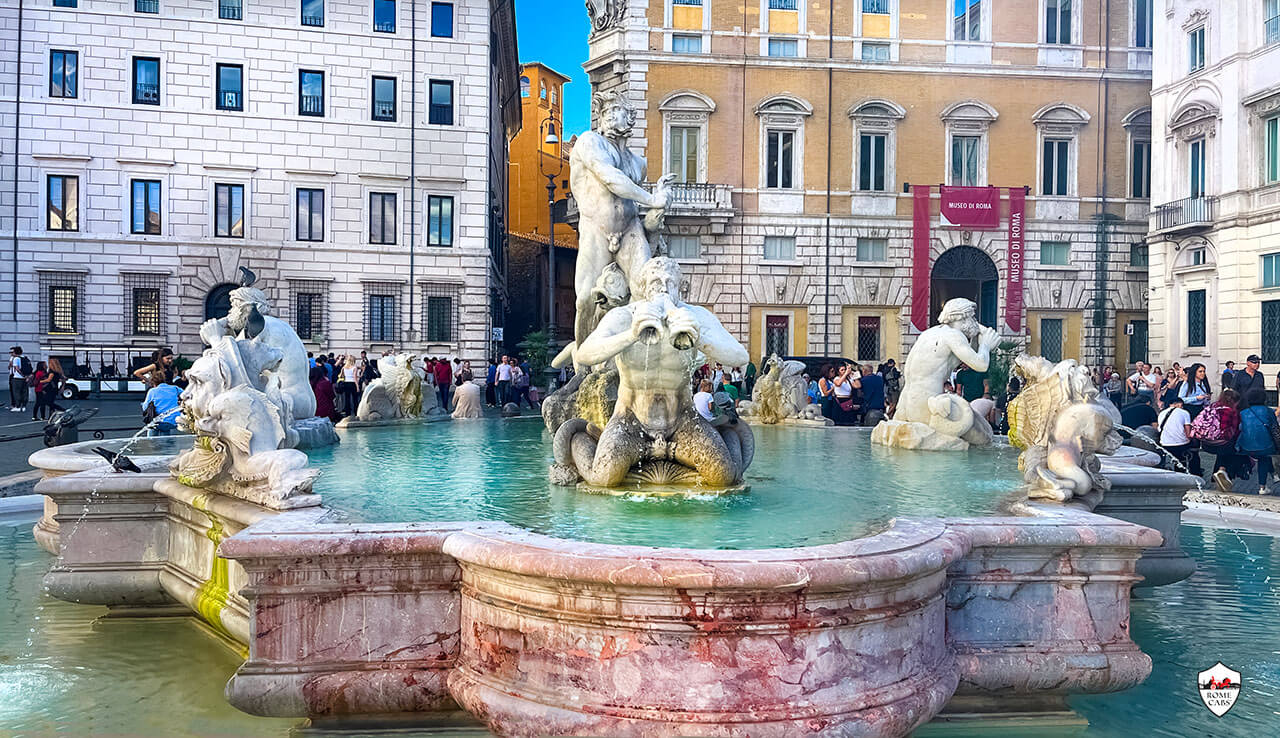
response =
{"points": [[550, 165]]}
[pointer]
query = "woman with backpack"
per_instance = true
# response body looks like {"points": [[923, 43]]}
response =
{"points": [[1258, 433], [1217, 428], [49, 387]]}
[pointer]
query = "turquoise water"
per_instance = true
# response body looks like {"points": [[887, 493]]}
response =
{"points": [[65, 672], [808, 486]]}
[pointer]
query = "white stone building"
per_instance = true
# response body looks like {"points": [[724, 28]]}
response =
{"points": [[1215, 227], [352, 153]]}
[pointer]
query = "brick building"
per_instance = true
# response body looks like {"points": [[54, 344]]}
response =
{"points": [[352, 153]]}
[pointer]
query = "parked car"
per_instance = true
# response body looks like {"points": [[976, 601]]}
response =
{"points": [[813, 364], [80, 387]]}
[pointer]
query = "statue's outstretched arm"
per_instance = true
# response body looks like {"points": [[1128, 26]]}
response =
{"points": [[608, 339], [617, 180]]}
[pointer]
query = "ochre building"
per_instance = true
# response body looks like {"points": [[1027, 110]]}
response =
{"points": [[809, 142]]}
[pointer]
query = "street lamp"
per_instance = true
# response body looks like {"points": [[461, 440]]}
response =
{"points": [[550, 165]]}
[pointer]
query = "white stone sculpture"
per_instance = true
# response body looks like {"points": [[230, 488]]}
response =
{"points": [[654, 433], [1062, 423], [928, 418], [606, 179], [399, 393], [239, 412], [781, 394]]}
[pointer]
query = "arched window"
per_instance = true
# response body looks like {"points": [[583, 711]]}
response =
{"points": [[875, 123], [782, 119], [553, 94], [542, 89], [218, 302], [685, 118], [524, 87]]}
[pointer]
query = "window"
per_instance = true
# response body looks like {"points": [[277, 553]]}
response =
{"points": [[1271, 270], [441, 318], [441, 97], [442, 20], [1051, 339], [384, 98], [1055, 253], [784, 47], [1271, 10], [524, 87], [382, 217], [313, 13], [684, 153], [778, 174], [1195, 41], [684, 247], [230, 87], [146, 206], [965, 154], [146, 81], [228, 210], [230, 9], [1272, 133], [64, 203], [779, 248], [1057, 22], [145, 312], [1197, 256], [308, 310], [1139, 255], [875, 7], [685, 43], [873, 249], [384, 16], [1195, 318], [64, 67], [777, 335], [1056, 165], [1271, 331], [310, 92], [1140, 170], [875, 52], [310, 215], [64, 3], [146, 6], [695, 3], [64, 309], [1142, 23], [554, 97], [542, 89], [871, 162], [1197, 168], [439, 221], [967, 20], [783, 4], [381, 323], [868, 337]]}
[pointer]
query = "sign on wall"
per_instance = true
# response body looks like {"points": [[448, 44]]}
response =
{"points": [[977, 208], [1015, 268]]}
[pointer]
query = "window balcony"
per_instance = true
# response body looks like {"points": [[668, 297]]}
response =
{"points": [[313, 20], [693, 202], [783, 4], [1185, 215], [875, 7], [384, 26], [230, 11], [229, 100], [311, 104], [384, 110], [146, 94], [146, 6], [686, 2]]}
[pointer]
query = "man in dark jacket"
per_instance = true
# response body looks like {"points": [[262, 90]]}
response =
{"points": [[1250, 378]]}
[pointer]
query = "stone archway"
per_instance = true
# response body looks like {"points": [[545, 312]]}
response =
{"points": [[217, 303], [965, 271]]}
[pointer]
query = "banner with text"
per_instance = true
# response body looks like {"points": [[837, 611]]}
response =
{"points": [[1014, 270], [970, 207], [920, 256]]}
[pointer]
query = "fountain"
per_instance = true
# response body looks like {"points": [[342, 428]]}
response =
{"points": [[397, 396]]}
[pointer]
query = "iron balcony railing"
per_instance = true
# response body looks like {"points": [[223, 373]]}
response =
{"points": [[1273, 30], [313, 20], [312, 104], [875, 6], [147, 94], [384, 26], [384, 111], [146, 6], [228, 100], [1189, 212], [782, 4], [230, 11], [686, 2]]}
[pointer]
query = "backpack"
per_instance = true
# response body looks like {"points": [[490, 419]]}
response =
{"points": [[27, 369], [1216, 424]]}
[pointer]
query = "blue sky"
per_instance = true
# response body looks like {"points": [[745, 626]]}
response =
{"points": [[554, 32]]}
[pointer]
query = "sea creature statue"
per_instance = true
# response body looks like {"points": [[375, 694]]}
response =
{"points": [[780, 394], [239, 413], [654, 434], [398, 392], [605, 14], [928, 418], [1062, 423]]}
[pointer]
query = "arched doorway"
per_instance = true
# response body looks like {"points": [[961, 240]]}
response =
{"points": [[964, 271], [218, 302]]}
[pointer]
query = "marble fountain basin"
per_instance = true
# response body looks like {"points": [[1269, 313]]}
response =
{"points": [[536, 635]]}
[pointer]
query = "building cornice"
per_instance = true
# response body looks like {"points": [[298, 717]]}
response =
{"points": [[129, 162], [229, 168], [80, 158]]}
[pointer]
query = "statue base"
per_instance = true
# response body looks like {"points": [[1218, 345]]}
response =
{"points": [[915, 436], [354, 422], [314, 433], [658, 478]]}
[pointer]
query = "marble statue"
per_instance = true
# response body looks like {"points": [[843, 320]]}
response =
{"points": [[606, 14], [928, 418], [240, 412], [1062, 423], [654, 432], [606, 178], [780, 394], [398, 394]]}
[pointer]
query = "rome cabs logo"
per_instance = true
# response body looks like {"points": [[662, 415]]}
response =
{"points": [[1219, 688]]}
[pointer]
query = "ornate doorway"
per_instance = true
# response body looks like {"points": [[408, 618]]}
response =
{"points": [[965, 271]]}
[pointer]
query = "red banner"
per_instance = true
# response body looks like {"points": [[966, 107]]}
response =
{"points": [[1013, 273], [920, 256], [970, 207]]}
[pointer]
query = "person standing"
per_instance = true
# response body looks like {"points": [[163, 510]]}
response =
{"points": [[736, 379], [35, 380], [50, 385], [444, 379], [490, 383], [19, 369], [826, 391], [1245, 382], [750, 377], [1174, 425], [1195, 392], [1257, 428], [160, 368], [1229, 374], [504, 381], [348, 384], [971, 385], [873, 401], [323, 390]]}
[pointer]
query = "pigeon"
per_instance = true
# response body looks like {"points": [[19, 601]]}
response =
{"points": [[119, 462], [247, 277]]}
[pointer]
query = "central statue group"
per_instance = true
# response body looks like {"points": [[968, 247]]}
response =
{"points": [[634, 332]]}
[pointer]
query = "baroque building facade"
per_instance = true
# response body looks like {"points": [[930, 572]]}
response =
{"points": [[351, 153], [1215, 228], [809, 142]]}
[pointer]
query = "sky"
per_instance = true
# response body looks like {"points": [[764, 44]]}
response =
{"points": [[554, 32]]}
